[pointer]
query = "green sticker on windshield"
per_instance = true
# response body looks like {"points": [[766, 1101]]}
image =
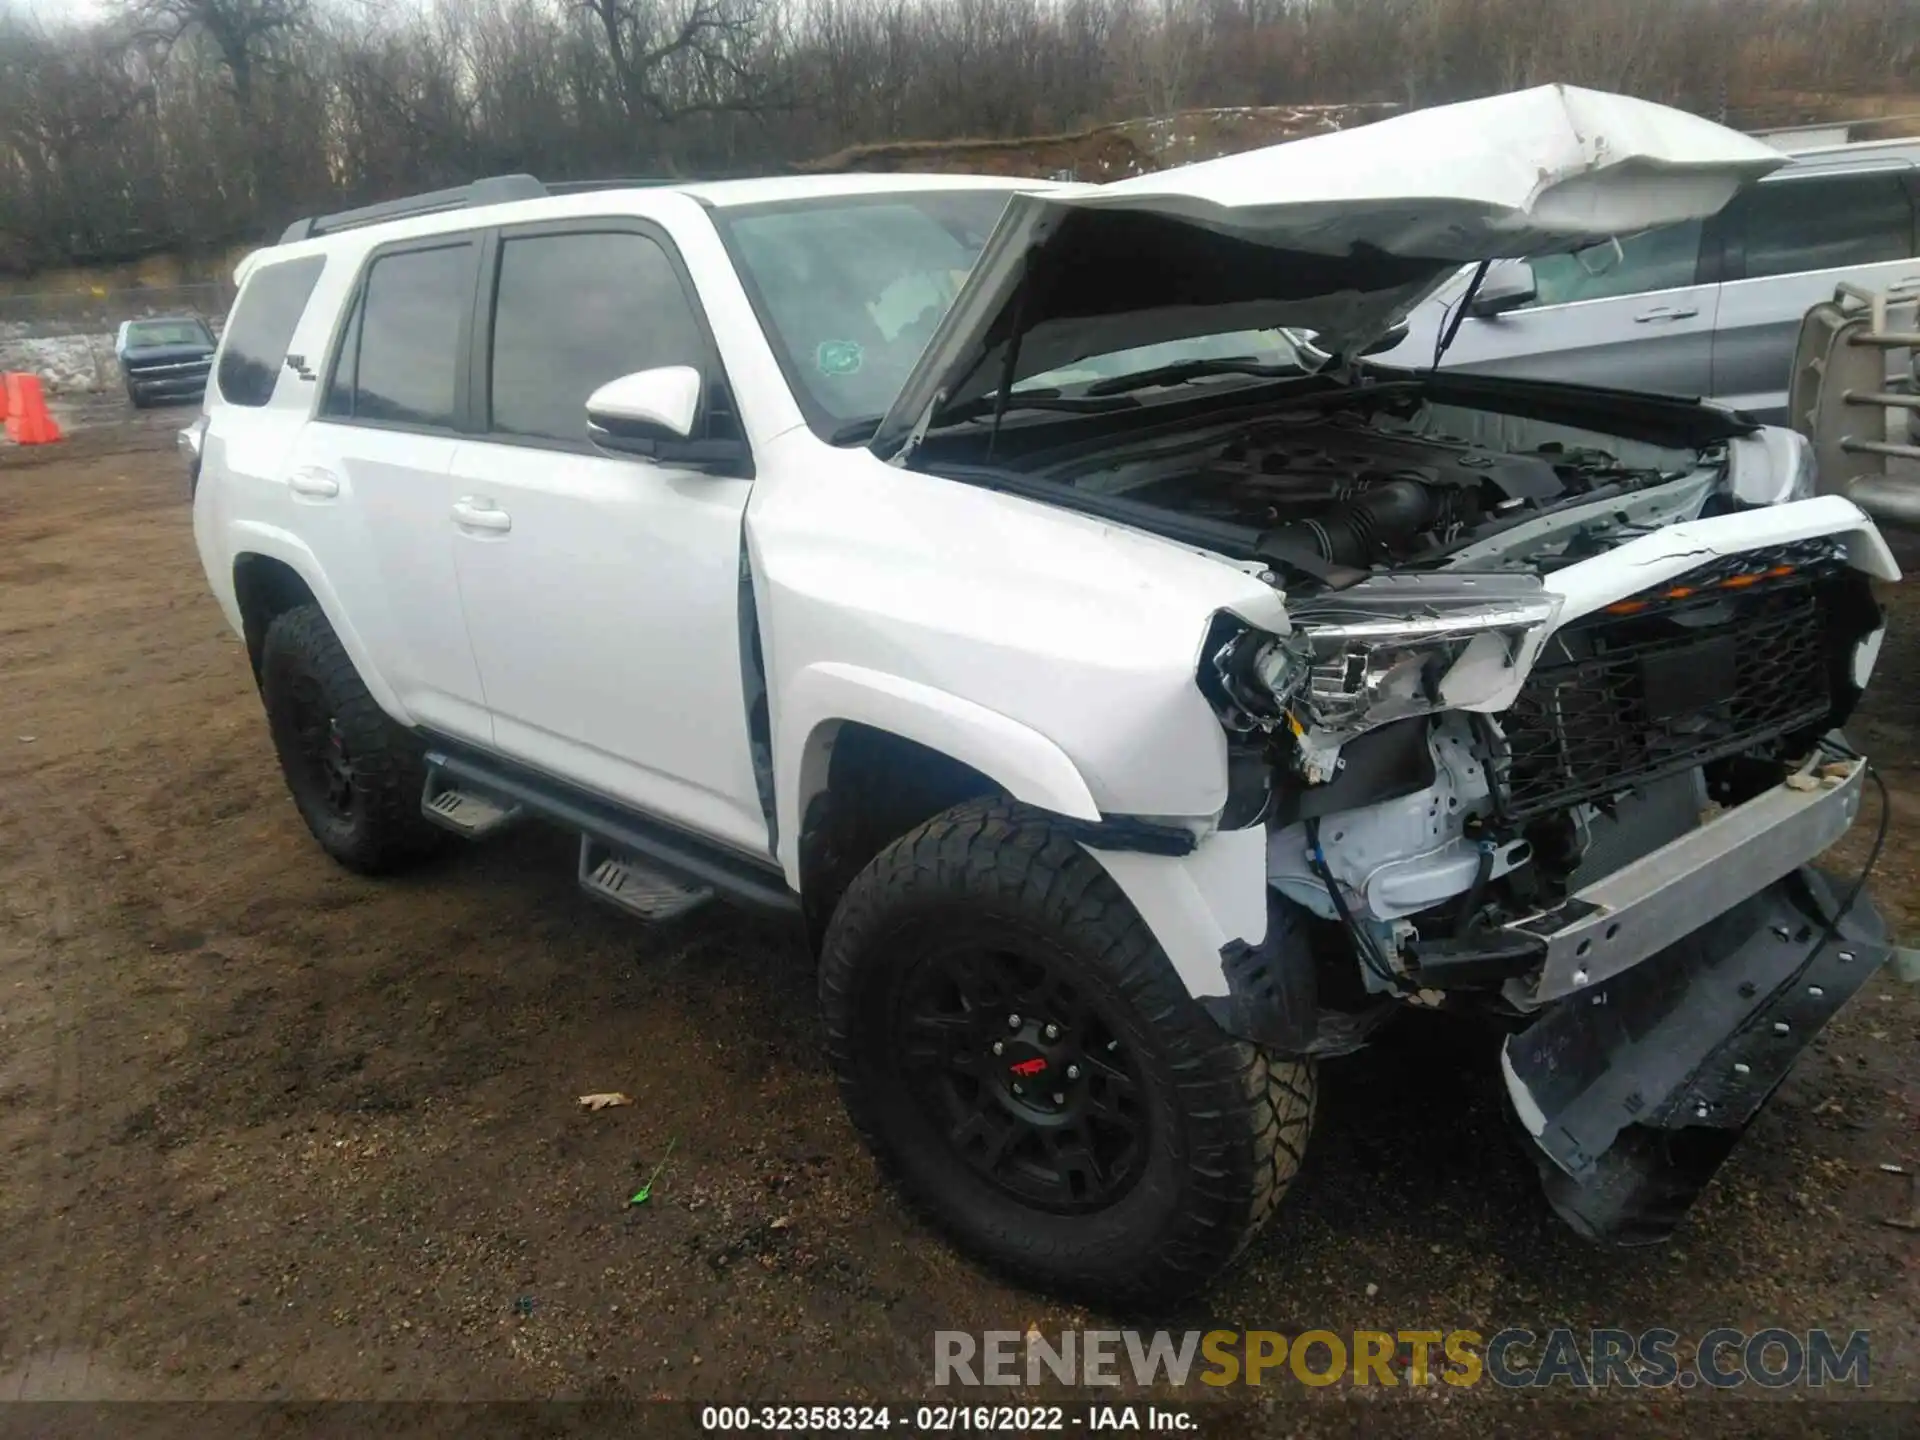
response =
{"points": [[838, 357]]}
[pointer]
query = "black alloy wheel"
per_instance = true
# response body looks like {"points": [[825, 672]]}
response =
{"points": [[1030, 1081]]}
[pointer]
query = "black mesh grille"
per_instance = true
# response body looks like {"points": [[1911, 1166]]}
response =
{"points": [[1637, 697]]}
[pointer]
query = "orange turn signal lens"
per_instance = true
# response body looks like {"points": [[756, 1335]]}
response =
{"points": [[1682, 592]]}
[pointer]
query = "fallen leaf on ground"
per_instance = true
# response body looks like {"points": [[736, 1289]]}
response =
{"points": [[604, 1099]]}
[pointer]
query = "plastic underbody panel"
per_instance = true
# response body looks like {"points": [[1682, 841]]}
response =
{"points": [[1635, 1090]]}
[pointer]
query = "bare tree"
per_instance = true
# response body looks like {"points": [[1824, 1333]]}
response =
{"points": [[676, 58], [181, 123], [244, 32]]}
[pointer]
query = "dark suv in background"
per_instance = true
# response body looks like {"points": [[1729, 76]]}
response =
{"points": [[165, 358]]}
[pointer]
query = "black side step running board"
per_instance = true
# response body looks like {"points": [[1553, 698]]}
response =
{"points": [[686, 861]]}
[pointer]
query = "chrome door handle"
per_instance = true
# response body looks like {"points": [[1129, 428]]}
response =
{"points": [[314, 483], [1663, 313], [473, 512]]}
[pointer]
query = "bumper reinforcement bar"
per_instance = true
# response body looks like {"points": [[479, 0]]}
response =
{"points": [[1622, 918]]}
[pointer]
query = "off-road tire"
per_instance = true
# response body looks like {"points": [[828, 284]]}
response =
{"points": [[379, 829], [1228, 1123]]}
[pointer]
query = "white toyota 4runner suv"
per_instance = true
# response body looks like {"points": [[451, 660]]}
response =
{"points": [[1136, 693]]}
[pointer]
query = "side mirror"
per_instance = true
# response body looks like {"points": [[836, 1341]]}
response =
{"points": [[652, 413], [636, 412], [1509, 284]]}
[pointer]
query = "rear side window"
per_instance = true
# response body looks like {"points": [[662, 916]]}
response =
{"points": [[1791, 226], [1663, 259], [399, 363], [262, 327], [573, 311]]}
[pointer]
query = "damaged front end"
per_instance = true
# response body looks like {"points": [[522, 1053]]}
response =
{"points": [[1581, 801], [1550, 728]]}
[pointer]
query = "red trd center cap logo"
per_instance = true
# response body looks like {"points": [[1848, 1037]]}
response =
{"points": [[1026, 1069]]}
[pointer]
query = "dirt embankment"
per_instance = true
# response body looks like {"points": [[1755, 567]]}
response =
{"points": [[1115, 151]]}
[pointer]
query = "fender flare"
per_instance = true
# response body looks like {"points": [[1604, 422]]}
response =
{"points": [[271, 542], [1029, 766]]}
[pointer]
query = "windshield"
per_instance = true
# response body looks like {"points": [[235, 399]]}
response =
{"points": [[850, 289], [167, 332]]}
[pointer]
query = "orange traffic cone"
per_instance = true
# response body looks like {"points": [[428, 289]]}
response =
{"points": [[28, 422], [6, 389]]}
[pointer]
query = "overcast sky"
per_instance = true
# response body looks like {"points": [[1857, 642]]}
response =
{"points": [[60, 9]]}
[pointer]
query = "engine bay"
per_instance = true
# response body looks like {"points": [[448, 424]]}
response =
{"points": [[1335, 483], [1357, 495]]}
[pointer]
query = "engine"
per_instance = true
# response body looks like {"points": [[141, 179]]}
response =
{"points": [[1343, 491]]}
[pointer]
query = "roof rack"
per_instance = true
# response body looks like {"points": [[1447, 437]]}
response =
{"points": [[494, 190]]}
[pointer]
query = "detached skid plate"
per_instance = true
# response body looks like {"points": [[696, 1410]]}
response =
{"points": [[1635, 1090]]}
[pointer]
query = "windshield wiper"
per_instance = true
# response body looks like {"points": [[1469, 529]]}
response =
{"points": [[1182, 371], [853, 432], [1036, 400], [1451, 327]]}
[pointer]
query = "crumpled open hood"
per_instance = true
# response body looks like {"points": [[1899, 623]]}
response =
{"points": [[1342, 234]]}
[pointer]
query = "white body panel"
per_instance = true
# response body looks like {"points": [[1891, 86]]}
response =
{"points": [[606, 626], [1505, 175], [1017, 609], [381, 535]]}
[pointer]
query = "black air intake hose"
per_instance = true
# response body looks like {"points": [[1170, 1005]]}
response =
{"points": [[1352, 532]]}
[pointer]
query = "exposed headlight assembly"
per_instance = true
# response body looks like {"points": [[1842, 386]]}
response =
{"points": [[1255, 674], [1401, 645], [1771, 467]]}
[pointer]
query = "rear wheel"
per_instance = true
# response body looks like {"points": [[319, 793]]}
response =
{"points": [[1016, 1048], [356, 776]]}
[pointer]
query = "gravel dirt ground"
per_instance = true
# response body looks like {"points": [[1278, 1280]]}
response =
{"points": [[269, 1130]]}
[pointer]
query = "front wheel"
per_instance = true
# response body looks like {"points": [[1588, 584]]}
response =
{"points": [[1016, 1048]]}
